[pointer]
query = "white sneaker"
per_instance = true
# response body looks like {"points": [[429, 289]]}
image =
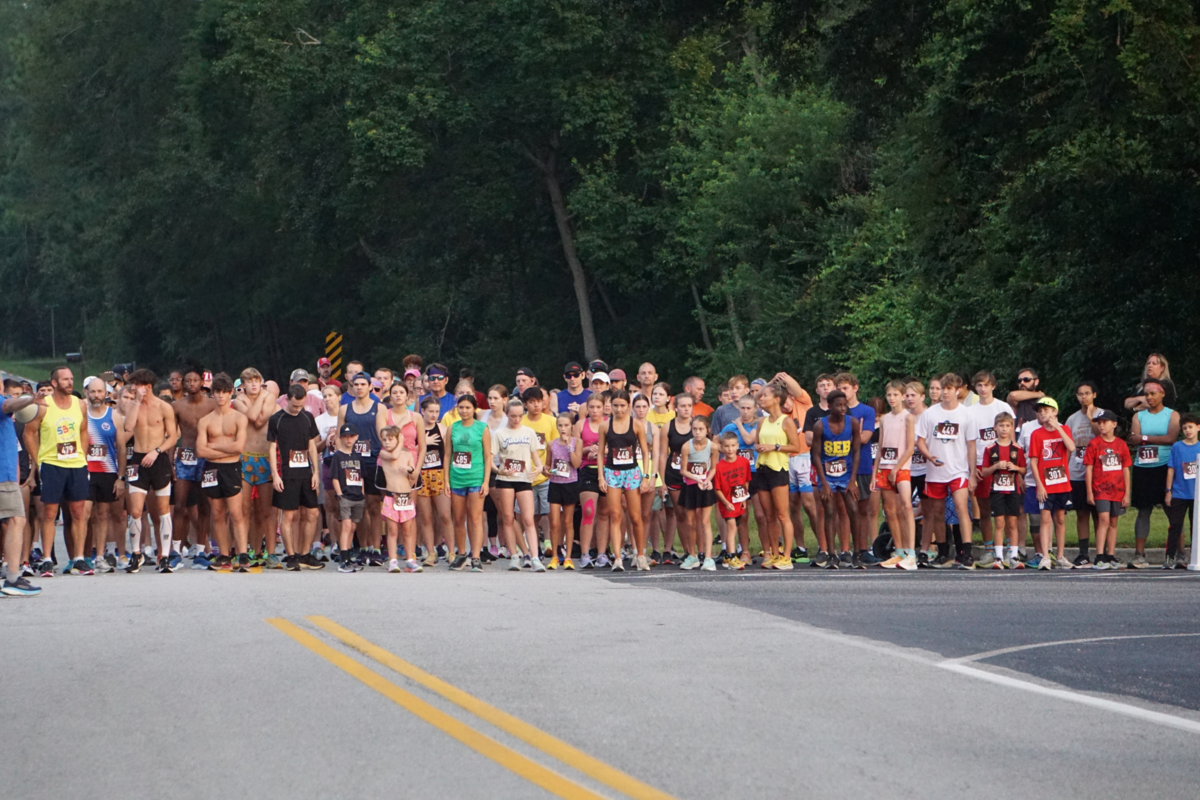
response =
{"points": [[602, 560], [514, 564], [394, 565], [691, 562], [538, 566], [909, 562], [708, 566]]}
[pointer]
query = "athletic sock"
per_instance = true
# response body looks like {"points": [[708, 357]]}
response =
{"points": [[1084, 546], [1012, 552], [943, 549], [999, 550]]}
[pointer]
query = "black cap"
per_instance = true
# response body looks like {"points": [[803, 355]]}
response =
{"points": [[572, 366], [1106, 416], [348, 430], [597, 366], [526, 371]]}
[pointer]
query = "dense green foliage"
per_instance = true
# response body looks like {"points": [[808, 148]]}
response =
{"points": [[897, 187]]}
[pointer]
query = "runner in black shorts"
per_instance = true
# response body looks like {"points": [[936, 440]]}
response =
{"points": [[292, 437]]}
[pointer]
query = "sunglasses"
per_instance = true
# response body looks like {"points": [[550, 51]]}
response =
{"points": [[1024, 380], [437, 377], [572, 374]]}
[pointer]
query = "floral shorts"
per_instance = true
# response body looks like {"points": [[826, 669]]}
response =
{"points": [[433, 483], [623, 478]]}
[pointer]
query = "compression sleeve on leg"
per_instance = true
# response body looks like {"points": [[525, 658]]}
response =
{"points": [[135, 532], [164, 535]]}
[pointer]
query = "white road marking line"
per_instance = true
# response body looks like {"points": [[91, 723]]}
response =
{"points": [[1006, 650], [1144, 714]]}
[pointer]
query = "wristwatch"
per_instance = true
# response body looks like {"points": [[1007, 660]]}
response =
{"points": [[1144, 438], [776, 448]]}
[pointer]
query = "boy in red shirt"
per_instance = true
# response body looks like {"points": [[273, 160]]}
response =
{"points": [[1109, 485], [1049, 448], [1004, 470], [731, 482]]}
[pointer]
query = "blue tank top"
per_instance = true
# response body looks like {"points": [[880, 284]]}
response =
{"points": [[368, 444], [836, 448], [102, 443], [1153, 455]]}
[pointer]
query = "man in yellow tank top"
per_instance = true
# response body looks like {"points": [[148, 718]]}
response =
{"points": [[57, 438]]}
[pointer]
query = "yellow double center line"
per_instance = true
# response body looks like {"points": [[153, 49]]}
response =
{"points": [[485, 745]]}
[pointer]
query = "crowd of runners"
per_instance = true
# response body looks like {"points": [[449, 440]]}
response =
{"points": [[405, 469]]}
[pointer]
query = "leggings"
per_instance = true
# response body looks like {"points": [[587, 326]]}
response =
{"points": [[1175, 516], [1141, 526], [489, 510]]}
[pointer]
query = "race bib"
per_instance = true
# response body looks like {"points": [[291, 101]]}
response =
{"points": [[562, 468], [918, 458], [740, 493], [676, 461], [1004, 482], [747, 454], [946, 431], [1055, 476], [835, 469], [1189, 471], [462, 460], [1112, 463], [874, 450], [542, 440], [514, 465], [697, 469], [404, 502], [362, 448], [131, 471], [890, 456], [129, 452], [433, 459], [987, 435], [1147, 454], [187, 457], [298, 459], [622, 456], [209, 479], [353, 477], [66, 450], [97, 452]]}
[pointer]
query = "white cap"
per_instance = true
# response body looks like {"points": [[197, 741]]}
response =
{"points": [[601, 376]]}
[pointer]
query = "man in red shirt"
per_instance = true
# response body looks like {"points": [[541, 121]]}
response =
{"points": [[325, 374], [1049, 448]]}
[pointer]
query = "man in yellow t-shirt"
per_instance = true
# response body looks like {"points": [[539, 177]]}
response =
{"points": [[545, 426]]}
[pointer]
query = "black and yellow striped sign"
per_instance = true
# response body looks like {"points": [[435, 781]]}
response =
{"points": [[333, 351]]}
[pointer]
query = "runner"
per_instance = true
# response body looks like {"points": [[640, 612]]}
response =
{"points": [[563, 468], [739, 387], [647, 377], [587, 434], [314, 403], [745, 429], [1050, 449], [823, 527], [897, 441], [438, 377], [257, 403], [801, 499], [346, 477], [695, 386], [861, 520], [525, 379], [1003, 467], [325, 375], [175, 381], [1023, 400], [618, 379], [651, 497], [670, 464], [397, 469], [545, 427], [699, 460], [731, 483], [516, 449], [433, 503], [292, 453], [837, 440], [620, 442], [12, 503], [412, 429], [1083, 430], [26, 479], [946, 436], [778, 439], [151, 421], [363, 414], [984, 413], [220, 441], [189, 470], [327, 427], [1107, 463], [57, 438], [575, 396], [468, 472], [1155, 428], [1181, 489], [106, 475]]}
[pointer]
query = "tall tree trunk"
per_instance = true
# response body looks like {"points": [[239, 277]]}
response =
{"points": [[549, 169], [702, 317], [733, 322]]}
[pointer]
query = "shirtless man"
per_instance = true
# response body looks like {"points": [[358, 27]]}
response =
{"points": [[176, 381], [151, 420], [257, 402], [220, 440], [189, 467]]}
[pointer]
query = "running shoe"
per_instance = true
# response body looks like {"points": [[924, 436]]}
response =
{"points": [[733, 563], [799, 555], [1168, 562], [441, 551], [834, 562], [708, 566], [942, 562], [1061, 562], [291, 563], [514, 564], [526, 562], [347, 566], [1139, 561], [965, 559], [135, 563], [459, 563], [691, 562], [655, 558], [846, 559], [922, 560], [1034, 561], [987, 559], [176, 561], [243, 562], [1046, 562], [784, 563], [537, 565], [309, 561], [1182, 560], [1116, 563], [585, 562], [821, 560], [393, 565], [856, 561], [412, 565], [26, 571], [869, 558], [476, 565], [997, 563], [431, 559], [618, 564], [643, 564], [201, 561], [1101, 565], [768, 562], [552, 563], [892, 563], [19, 588], [568, 564], [602, 560], [375, 558], [1081, 561], [272, 562], [101, 566], [164, 566], [36, 555], [909, 562]]}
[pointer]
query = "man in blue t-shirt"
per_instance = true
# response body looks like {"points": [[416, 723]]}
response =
{"points": [[352, 369], [861, 517], [574, 399], [439, 376], [12, 504]]}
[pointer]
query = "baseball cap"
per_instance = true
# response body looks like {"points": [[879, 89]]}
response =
{"points": [[438, 369], [572, 368], [1106, 416], [601, 376], [526, 371], [597, 366], [347, 430], [412, 371], [324, 362], [618, 375], [1047, 401], [300, 375], [376, 383], [87, 381]]}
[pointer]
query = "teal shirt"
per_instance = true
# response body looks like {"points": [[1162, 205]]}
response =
{"points": [[466, 457], [1153, 455]]}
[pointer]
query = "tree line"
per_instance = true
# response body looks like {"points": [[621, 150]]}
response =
{"points": [[897, 187]]}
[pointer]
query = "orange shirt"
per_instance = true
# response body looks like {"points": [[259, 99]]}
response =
{"points": [[702, 409], [797, 407]]}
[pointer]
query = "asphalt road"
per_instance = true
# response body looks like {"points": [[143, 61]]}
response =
{"points": [[201, 685]]}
